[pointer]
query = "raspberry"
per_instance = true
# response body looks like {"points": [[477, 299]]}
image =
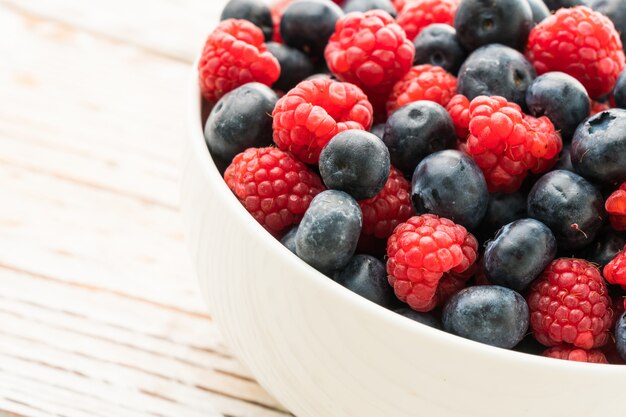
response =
{"points": [[235, 54], [421, 251], [417, 14], [277, 10], [615, 206], [273, 186], [580, 42], [387, 209], [422, 82], [370, 50], [615, 271], [542, 141], [569, 303], [597, 107], [575, 354], [314, 111], [458, 108]]}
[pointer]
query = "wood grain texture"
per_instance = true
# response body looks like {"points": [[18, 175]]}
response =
{"points": [[99, 310]]}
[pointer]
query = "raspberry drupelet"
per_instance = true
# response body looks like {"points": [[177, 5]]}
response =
{"points": [[235, 54], [615, 271], [575, 354], [314, 111], [415, 15], [569, 303], [458, 109], [273, 186], [421, 251], [615, 206]]}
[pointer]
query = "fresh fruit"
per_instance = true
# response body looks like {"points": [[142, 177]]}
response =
{"points": [[277, 10], [569, 205], [366, 5], [329, 231], [378, 130], [484, 22], [415, 15], [355, 161], [314, 111], [581, 43], [496, 70], [289, 239], [424, 318], [620, 336], [273, 186], [598, 107], [519, 253], [569, 353], [449, 184], [420, 251], [438, 45], [555, 5], [235, 54], [254, 11], [607, 244], [615, 271], [295, 66], [615, 206], [502, 209], [416, 130], [569, 303], [539, 9], [240, 120], [560, 97], [565, 161], [488, 314], [366, 276], [458, 109], [619, 91], [614, 10]]}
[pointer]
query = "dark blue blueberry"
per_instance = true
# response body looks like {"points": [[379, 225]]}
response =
{"points": [[365, 5], [367, 276], [424, 318], [619, 91], [560, 97], [488, 314], [289, 239], [496, 70], [378, 130], [329, 231], [438, 45], [539, 9], [614, 10], [564, 161], [255, 11], [450, 184], [240, 120], [530, 345], [605, 247], [599, 147], [355, 161], [295, 66], [503, 208], [519, 253], [555, 5], [569, 205], [484, 22], [620, 336], [415, 131], [308, 24]]}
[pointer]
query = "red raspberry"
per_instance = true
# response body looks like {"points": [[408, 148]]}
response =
{"points": [[370, 50], [421, 251], [273, 186], [387, 209], [314, 111], [570, 353], [277, 10], [417, 14], [597, 107], [233, 55], [542, 140], [616, 207], [580, 42], [569, 303], [615, 271], [422, 82], [458, 108]]}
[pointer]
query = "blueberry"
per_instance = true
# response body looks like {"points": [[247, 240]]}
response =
{"points": [[438, 45], [620, 336], [555, 5], [569, 205], [367, 276], [488, 314], [356, 162], [496, 70], [366, 5], [519, 253], [599, 147], [329, 231], [295, 66], [483, 22], [560, 97], [539, 9], [530, 345], [240, 120], [255, 11], [308, 24], [450, 184], [614, 10], [605, 247], [289, 239], [503, 208], [424, 318], [378, 130], [619, 91], [564, 161], [416, 130]]}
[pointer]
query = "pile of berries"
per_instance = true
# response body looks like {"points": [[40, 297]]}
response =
{"points": [[460, 163]]}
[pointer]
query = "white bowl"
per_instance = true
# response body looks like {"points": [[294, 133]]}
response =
{"points": [[323, 351]]}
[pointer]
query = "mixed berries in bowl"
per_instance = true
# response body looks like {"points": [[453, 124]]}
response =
{"points": [[390, 176]]}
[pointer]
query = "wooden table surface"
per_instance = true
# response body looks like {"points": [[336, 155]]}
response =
{"points": [[99, 311]]}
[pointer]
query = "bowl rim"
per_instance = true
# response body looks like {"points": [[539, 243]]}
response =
{"points": [[198, 148]]}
